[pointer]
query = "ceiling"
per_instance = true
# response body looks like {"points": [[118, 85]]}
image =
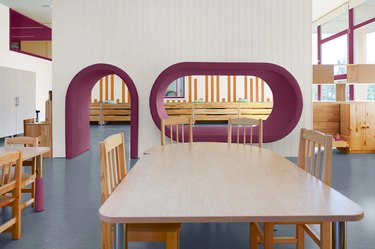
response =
{"points": [[39, 10]]}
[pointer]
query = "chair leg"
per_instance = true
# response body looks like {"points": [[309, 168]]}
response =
{"points": [[253, 236], [106, 236], [268, 235], [325, 235], [172, 240], [16, 213], [300, 234]]}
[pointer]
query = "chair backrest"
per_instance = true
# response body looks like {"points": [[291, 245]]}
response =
{"points": [[315, 154], [9, 182], [112, 163], [177, 124], [21, 141], [25, 122], [241, 125]]}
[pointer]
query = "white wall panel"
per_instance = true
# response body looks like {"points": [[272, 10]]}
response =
{"points": [[144, 37], [41, 67]]}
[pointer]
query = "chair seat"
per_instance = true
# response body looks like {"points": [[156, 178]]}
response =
{"points": [[157, 227], [5, 200]]}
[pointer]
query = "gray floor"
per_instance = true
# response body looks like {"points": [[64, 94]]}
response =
{"points": [[72, 198]]}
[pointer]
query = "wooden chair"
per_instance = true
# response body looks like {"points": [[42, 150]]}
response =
{"points": [[315, 157], [113, 171], [27, 178], [241, 125], [10, 191], [25, 122], [177, 123]]}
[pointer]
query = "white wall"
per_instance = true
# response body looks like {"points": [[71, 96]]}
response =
{"points": [[144, 37], [41, 67]]}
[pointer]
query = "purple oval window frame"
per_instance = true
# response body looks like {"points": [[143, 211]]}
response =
{"points": [[287, 96]]}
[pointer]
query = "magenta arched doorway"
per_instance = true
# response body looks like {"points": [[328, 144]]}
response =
{"points": [[77, 107]]}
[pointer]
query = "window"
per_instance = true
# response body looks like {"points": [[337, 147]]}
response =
{"points": [[176, 89], [328, 92]]}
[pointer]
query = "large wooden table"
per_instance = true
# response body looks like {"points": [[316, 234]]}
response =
{"points": [[217, 182], [28, 153]]}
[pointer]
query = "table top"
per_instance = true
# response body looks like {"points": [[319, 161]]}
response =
{"points": [[27, 152], [218, 182]]}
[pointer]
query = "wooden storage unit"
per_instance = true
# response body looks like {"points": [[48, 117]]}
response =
{"points": [[326, 118], [101, 113], [358, 122], [43, 130]]}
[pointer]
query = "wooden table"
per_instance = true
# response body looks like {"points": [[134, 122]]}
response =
{"points": [[217, 182], [28, 153]]}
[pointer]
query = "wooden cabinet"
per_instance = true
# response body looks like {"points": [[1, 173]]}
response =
{"points": [[358, 122], [17, 100], [43, 130]]}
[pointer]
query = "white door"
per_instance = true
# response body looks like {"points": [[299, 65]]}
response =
{"points": [[26, 99]]}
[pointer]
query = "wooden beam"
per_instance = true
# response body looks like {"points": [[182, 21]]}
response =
{"points": [[106, 88], [251, 90], [190, 89], [206, 87], [229, 93], [234, 88], [217, 88], [195, 89], [256, 89], [262, 91], [212, 89], [245, 87], [112, 86], [101, 90]]}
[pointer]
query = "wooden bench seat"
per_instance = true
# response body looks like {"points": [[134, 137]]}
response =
{"points": [[101, 113], [219, 111]]}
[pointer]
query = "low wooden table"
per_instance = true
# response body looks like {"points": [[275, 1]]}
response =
{"points": [[218, 182], [28, 153]]}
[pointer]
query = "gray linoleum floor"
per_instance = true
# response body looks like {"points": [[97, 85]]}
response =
{"points": [[72, 198]]}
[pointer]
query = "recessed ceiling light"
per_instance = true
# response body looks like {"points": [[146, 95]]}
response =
{"points": [[47, 6]]}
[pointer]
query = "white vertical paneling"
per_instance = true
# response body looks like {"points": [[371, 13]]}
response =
{"points": [[144, 37]]}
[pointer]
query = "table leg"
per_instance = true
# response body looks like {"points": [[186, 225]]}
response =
{"points": [[339, 235], [118, 242], [39, 185]]}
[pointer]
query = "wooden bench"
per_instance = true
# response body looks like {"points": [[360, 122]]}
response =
{"points": [[219, 111], [102, 113]]}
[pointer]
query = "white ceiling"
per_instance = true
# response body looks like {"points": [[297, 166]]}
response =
{"points": [[35, 9]]}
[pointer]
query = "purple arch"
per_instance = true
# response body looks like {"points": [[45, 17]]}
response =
{"points": [[77, 107], [288, 102]]}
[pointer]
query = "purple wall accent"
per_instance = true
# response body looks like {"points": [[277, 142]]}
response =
{"points": [[77, 107], [351, 38], [332, 37], [23, 28], [288, 102], [319, 50]]}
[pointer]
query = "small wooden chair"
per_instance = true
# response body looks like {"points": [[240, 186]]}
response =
{"points": [[177, 123], [27, 178], [315, 157], [242, 124], [25, 122], [113, 171], [10, 191]]}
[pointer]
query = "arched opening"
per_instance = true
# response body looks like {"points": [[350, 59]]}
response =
{"points": [[287, 96], [77, 105]]}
